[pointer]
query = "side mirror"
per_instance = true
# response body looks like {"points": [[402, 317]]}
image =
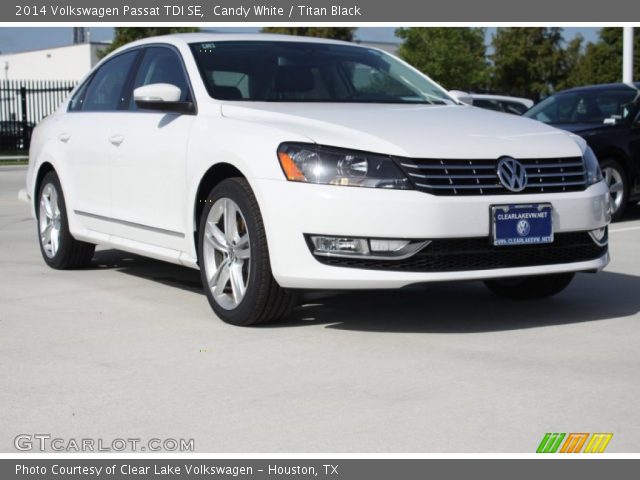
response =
{"points": [[162, 97]]}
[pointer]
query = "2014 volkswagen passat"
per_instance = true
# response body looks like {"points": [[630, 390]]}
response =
{"points": [[275, 164]]}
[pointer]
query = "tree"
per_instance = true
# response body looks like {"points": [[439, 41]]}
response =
{"points": [[336, 33], [453, 57], [124, 35], [530, 62], [601, 61]]}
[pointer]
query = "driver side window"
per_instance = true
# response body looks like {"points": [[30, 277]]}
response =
{"points": [[161, 65]]}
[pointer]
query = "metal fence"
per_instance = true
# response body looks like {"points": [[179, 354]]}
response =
{"points": [[23, 103]]}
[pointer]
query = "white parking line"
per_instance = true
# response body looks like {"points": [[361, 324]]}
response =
{"points": [[626, 229]]}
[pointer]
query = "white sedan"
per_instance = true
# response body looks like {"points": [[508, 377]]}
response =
{"points": [[276, 163]]}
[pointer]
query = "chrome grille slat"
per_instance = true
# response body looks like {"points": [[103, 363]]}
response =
{"points": [[460, 187], [552, 165], [559, 174], [440, 177], [479, 177]]}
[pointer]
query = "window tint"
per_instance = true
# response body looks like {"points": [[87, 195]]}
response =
{"points": [[309, 72], [513, 107], [161, 65], [77, 100], [598, 106], [488, 104], [104, 92]]}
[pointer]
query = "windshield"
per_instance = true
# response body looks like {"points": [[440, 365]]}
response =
{"points": [[589, 106], [310, 72]]}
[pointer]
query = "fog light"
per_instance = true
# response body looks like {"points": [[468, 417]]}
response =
{"points": [[364, 248], [340, 245], [387, 245], [599, 236]]}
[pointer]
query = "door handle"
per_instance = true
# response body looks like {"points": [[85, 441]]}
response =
{"points": [[64, 137], [116, 139]]}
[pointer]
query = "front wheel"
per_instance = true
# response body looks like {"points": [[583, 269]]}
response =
{"points": [[523, 288], [234, 259]]}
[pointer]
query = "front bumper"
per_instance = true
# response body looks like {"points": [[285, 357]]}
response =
{"points": [[290, 210]]}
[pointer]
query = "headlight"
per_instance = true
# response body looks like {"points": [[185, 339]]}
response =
{"points": [[335, 166], [594, 174]]}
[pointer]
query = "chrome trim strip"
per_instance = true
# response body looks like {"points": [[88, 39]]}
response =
{"points": [[459, 187], [130, 224]]}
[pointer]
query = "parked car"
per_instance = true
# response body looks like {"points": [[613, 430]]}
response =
{"points": [[14, 135], [499, 103], [276, 163], [608, 118]]}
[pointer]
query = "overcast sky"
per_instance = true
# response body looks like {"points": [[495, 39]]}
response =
{"points": [[17, 39]]}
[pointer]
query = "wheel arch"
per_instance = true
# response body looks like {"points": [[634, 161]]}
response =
{"points": [[613, 153], [212, 177], [44, 168]]}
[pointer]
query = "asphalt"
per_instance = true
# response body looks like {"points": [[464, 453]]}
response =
{"points": [[129, 348]]}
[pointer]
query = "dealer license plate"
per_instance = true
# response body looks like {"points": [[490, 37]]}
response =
{"points": [[522, 224]]}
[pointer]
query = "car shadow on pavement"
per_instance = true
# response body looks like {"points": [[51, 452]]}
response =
{"points": [[454, 307]]}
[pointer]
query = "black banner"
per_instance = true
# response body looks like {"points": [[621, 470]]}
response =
{"points": [[314, 11]]}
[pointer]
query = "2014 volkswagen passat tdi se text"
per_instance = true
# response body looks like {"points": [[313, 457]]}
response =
{"points": [[275, 164]]}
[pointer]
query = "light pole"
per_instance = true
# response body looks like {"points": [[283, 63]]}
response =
{"points": [[627, 55]]}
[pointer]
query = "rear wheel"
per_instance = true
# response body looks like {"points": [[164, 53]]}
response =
{"points": [[234, 259], [522, 288], [616, 179], [59, 249]]}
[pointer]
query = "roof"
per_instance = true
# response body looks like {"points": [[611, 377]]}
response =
{"points": [[602, 86], [187, 38], [508, 98]]}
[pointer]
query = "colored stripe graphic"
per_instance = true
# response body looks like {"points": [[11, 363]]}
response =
{"points": [[598, 442], [550, 443], [574, 443]]}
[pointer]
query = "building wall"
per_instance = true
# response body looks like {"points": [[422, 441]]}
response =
{"points": [[62, 63]]}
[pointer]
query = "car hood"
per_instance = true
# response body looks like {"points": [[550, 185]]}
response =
{"points": [[447, 131]]}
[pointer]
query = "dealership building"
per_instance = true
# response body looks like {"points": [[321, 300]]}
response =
{"points": [[71, 62]]}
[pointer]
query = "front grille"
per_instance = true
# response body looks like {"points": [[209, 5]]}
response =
{"points": [[477, 253], [479, 177]]}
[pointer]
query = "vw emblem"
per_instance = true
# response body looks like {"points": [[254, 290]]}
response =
{"points": [[512, 174], [523, 228]]}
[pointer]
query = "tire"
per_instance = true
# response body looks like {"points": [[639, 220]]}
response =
{"points": [[246, 293], [526, 288], [615, 177], [59, 249]]}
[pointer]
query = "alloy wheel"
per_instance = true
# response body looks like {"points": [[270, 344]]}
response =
{"points": [[226, 253], [615, 183], [49, 218]]}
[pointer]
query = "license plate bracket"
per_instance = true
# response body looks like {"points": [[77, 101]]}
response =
{"points": [[529, 224]]}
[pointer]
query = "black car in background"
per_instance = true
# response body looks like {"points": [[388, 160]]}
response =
{"points": [[608, 118]]}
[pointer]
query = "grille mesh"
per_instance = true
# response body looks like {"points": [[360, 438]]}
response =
{"points": [[479, 177], [477, 253]]}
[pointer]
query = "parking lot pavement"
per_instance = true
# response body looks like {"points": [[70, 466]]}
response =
{"points": [[130, 349]]}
